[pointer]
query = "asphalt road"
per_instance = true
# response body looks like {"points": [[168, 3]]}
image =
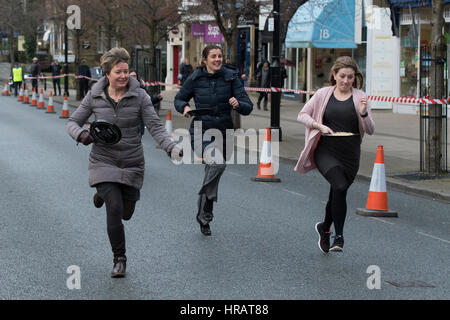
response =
{"points": [[263, 245]]}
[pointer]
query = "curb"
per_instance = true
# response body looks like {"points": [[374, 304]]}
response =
{"points": [[405, 187], [395, 184]]}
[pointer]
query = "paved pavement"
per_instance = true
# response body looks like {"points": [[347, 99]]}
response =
{"points": [[397, 133]]}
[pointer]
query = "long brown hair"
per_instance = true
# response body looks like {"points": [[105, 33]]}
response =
{"points": [[347, 62]]}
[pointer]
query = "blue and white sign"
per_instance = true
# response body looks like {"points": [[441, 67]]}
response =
{"points": [[323, 24]]}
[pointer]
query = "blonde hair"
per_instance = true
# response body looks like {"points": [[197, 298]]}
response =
{"points": [[347, 62], [113, 57]]}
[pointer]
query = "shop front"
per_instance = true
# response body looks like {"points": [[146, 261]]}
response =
{"points": [[415, 42], [318, 33]]}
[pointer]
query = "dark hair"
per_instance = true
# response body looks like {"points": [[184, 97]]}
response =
{"points": [[135, 71], [206, 51], [347, 62]]}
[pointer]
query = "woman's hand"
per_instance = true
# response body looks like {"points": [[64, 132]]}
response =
{"points": [[85, 138], [176, 154], [322, 128], [186, 110], [234, 103], [363, 108]]}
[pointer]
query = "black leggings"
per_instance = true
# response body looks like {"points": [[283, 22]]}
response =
{"points": [[336, 208], [120, 201]]}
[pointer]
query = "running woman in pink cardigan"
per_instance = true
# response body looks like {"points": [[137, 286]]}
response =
{"points": [[336, 118]]}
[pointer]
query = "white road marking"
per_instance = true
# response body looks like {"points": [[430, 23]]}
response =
{"points": [[381, 220], [296, 193], [433, 237]]}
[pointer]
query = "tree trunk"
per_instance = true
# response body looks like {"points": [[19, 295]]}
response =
{"points": [[438, 50], [11, 48], [152, 58], [230, 37]]}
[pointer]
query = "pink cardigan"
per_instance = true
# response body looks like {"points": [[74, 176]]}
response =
{"points": [[313, 112]]}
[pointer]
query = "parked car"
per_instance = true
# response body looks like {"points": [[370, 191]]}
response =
{"points": [[96, 73]]}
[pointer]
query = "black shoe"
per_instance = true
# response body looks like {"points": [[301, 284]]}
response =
{"points": [[98, 201], [119, 268], [258, 106], [205, 229], [203, 220], [324, 238], [338, 244]]}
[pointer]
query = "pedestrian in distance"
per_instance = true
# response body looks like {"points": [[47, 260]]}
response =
{"points": [[336, 118], [117, 170], [56, 71], [263, 77], [219, 89], [84, 71], [35, 73], [17, 77], [231, 65], [283, 74], [155, 99], [186, 70]]}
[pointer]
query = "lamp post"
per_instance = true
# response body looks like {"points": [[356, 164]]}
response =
{"points": [[66, 62], [276, 71]]}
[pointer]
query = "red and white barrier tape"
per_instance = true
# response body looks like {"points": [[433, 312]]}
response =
{"points": [[409, 100], [403, 100], [60, 76]]}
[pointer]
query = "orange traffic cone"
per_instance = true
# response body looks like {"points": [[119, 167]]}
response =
{"points": [[20, 94], [377, 202], [33, 99], [6, 91], [26, 97], [169, 127], [41, 100], [50, 107], [65, 109], [265, 170]]}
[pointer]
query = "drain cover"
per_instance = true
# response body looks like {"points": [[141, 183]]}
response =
{"points": [[410, 284]]}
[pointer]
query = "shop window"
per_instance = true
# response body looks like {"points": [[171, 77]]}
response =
{"points": [[409, 60], [102, 40]]}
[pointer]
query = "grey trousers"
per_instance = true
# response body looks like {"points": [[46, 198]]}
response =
{"points": [[208, 191]]}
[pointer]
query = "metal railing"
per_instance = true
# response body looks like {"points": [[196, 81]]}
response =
{"points": [[433, 117]]}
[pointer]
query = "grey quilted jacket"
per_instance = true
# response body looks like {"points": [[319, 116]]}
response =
{"points": [[122, 162]]}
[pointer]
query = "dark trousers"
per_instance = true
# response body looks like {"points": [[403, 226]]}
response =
{"points": [[209, 190], [17, 87], [261, 96], [57, 83], [34, 84], [84, 86], [336, 209], [120, 201]]}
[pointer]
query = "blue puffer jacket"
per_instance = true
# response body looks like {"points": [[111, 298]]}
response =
{"points": [[213, 91]]}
